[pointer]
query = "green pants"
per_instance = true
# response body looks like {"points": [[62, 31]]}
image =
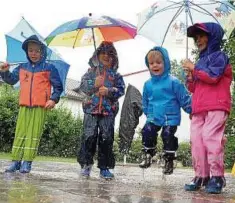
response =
{"points": [[28, 133]]}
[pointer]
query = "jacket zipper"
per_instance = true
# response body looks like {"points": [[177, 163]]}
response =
{"points": [[101, 97], [46, 96], [31, 86]]}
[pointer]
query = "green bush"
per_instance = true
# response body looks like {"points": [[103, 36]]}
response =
{"points": [[62, 132], [184, 154], [230, 152], [8, 116]]}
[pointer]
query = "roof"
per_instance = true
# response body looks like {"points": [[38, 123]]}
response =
{"points": [[70, 86]]}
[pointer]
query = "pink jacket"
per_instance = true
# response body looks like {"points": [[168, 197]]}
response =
{"points": [[211, 93]]}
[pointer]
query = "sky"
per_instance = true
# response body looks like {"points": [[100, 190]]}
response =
{"points": [[45, 16]]}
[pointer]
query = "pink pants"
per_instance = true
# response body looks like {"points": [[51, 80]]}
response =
{"points": [[207, 143]]}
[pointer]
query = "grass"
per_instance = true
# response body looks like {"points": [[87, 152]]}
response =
{"points": [[42, 158]]}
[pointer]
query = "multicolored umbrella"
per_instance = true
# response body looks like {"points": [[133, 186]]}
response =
{"points": [[91, 30]]}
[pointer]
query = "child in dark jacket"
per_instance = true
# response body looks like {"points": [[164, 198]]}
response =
{"points": [[103, 87], [163, 98], [209, 80], [36, 79]]}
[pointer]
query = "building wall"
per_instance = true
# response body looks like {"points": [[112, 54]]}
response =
{"points": [[74, 105]]}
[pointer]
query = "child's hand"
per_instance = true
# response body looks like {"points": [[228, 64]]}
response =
{"points": [[103, 91], [99, 81], [188, 65], [50, 104], [189, 75], [4, 67], [190, 116]]}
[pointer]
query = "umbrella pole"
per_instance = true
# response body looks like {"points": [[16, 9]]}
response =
{"points": [[93, 36], [186, 24]]}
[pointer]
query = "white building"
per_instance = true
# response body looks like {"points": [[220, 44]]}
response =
{"points": [[72, 100]]}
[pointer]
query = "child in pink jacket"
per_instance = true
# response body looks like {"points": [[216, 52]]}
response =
{"points": [[209, 80]]}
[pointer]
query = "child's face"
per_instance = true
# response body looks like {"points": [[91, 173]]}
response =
{"points": [[201, 41], [106, 59], [156, 63], [34, 52]]}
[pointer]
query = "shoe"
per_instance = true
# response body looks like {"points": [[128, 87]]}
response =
{"points": [[147, 161], [86, 170], [106, 174], [15, 166], [26, 167], [215, 185], [196, 183], [169, 164], [168, 167]]}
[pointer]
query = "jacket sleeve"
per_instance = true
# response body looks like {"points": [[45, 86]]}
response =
{"points": [[145, 99], [190, 84], [215, 69], [56, 84], [11, 77], [88, 83], [183, 96], [119, 88]]}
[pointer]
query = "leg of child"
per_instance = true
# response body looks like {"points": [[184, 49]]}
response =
{"points": [[170, 145], [149, 142], [35, 122], [20, 135], [199, 155], [106, 158], [19, 140], [88, 145], [213, 139]]}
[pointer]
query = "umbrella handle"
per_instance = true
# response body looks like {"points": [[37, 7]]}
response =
{"points": [[9, 64]]}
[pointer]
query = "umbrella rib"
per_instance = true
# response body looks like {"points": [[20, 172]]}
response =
{"points": [[208, 14], [174, 17], [162, 10], [200, 11], [190, 15], [76, 38]]}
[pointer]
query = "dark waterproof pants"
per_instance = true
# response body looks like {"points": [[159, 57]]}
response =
{"points": [[150, 134], [97, 130]]}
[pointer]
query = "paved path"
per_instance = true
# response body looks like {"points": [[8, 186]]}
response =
{"points": [[52, 182]]}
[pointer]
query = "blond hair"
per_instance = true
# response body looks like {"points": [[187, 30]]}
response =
{"points": [[152, 55]]}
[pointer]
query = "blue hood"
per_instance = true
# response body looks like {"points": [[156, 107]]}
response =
{"points": [[167, 63], [36, 40]]}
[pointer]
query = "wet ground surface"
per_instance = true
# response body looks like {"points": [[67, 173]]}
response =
{"points": [[51, 182]]}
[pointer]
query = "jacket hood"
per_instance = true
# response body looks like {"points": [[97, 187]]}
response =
{"points": [[36, 40], [215, 36], [107, 47], [166, 60]]}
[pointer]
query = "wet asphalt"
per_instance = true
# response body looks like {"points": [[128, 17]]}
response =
{"points": [[53, 182]]}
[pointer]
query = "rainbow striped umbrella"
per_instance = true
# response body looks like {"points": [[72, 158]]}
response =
{"points": [[91, 30]]}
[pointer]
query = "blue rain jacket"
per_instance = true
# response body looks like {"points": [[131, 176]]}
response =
{"points": [[164, 95]]}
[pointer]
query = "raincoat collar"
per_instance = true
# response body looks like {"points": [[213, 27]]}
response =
{"points": [[35, 39], [167, 63]]}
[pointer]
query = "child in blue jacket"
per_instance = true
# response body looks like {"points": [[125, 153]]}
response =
{"points": [[163, 97]]}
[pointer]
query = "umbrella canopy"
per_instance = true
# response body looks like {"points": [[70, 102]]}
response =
{"points": [[91, 30], [15, 54], [166, 22], [131, 111]]}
